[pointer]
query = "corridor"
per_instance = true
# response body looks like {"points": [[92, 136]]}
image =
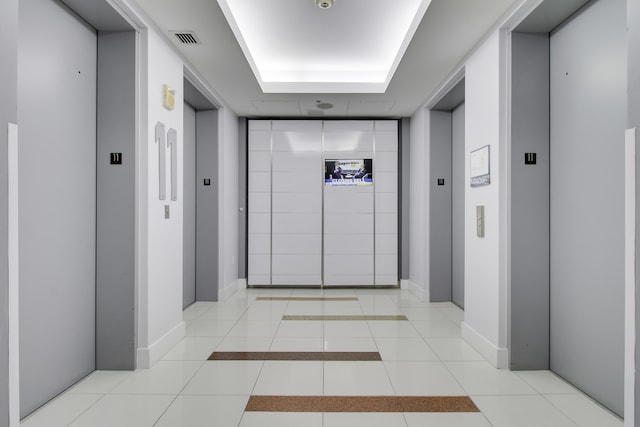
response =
{"points": [[422, 356]]}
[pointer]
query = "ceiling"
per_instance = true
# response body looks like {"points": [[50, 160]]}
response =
{"points": [[447, 32]]}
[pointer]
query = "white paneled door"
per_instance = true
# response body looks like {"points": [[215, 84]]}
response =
{"points": [[304, 230]]}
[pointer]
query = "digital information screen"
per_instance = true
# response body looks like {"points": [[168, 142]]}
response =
{"points": [[348, 172]]}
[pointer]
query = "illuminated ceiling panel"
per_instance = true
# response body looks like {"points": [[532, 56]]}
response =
{"points": [[293, 46]]}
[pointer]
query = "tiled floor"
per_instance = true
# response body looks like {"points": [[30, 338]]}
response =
{"points": [[421, 356]]}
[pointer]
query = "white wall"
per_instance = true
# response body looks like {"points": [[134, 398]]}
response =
{"points": [[419, 214], [160, 307], [228, 203], [485, 311]]}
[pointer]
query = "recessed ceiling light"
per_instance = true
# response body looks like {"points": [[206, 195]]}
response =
{"points": [[324, 4]]}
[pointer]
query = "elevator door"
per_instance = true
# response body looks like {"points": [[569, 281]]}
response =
{"points": [[457, 206], [57, 116], [587, 201]]}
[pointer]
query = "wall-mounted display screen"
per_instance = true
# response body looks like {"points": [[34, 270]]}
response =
{"points": [[348, 172]]}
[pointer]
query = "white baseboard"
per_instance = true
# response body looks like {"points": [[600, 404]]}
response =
{"points": [[228, 291], [418, 291], [242, 283], [498, 357], [404, 284], [147, 357]]}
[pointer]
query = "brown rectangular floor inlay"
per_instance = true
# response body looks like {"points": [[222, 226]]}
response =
{"points": [[345, 317], [307, 299], [361, 404], [294, 355]]}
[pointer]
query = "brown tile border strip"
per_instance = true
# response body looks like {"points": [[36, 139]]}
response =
{"points": [[307, 299], [294, 355], [345, 317], [361, 404]]}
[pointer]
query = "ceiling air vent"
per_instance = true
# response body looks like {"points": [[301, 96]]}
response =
{"points": [[186, 37]]}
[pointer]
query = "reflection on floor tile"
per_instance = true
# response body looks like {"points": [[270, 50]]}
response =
{"points": [[480, 378], [356, 378], [125, 411], [61, 411], [166, 377], [521, 411], [193, 348], [350, 419], [204, 411], [422, 379], [225, 377], [446, 420], [451, 349], [546, 382], [100, 382], [290, 378], [405, 349], [279, 419], [583, 411]]}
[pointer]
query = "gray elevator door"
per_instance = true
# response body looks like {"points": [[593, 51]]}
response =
{"points": [[457, 205], [189, 212], [57, 116], [588, 92]]}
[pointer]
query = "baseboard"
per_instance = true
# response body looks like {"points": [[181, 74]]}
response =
{"points": [[242, 283], [147, 357], [418, 291], [228, 291], [404, 284], [498, 357]]}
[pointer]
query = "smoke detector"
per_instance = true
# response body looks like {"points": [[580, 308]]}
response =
{"points": [[324, 4]]}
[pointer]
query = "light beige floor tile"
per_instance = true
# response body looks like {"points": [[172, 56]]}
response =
{"points": [[342, 308], [254, 328], [356, 378], [61, 411], [290, 378], [583, 411], [245, 344], [196, 310], [423, 313], [521, 411], [125, 411], [297, 344], [446, 420], [281, 419], [209, 328], [453, 349], [546, 382], [349, 344], [204, 411], [353, 419], [299, 328], [437, 328], [336, 329], [405, 349], [100, 382], [193, 348], [481, 378], [422, 379], [393, 329], [165, 377], [225, 377]]}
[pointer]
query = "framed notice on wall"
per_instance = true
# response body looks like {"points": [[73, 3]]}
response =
{"points": [[479, 163]]}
